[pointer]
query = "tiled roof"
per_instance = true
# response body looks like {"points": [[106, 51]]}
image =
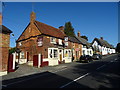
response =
{"points": [[4, 29], [73, 39], [83, 41], [49, 30]]}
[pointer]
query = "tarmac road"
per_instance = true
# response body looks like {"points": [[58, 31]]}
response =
{"points": [[97, 74]]}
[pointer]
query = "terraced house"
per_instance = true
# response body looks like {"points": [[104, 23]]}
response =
{"points": [[43, 42]]}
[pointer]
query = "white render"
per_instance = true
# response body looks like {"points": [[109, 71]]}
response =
{"points": [[87, 51], [104, 50]]}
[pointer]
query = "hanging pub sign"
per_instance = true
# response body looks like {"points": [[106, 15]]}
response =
{"points": [[40, 41], [66, 41]]}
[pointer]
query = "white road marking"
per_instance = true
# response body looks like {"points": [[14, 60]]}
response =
{"points": [[115, 59], [100, 67], [75, 80]]}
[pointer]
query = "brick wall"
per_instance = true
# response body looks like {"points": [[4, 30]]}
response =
{"points": [[4, 48]]}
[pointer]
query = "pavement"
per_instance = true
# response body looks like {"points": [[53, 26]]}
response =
{"points": [[25, 70]]}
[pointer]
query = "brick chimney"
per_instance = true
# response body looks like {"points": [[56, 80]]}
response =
{"points": [[32, 17], [101, 38], [61, 28], [78, 34], [0, 18]]}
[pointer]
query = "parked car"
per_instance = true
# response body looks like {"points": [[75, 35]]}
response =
{"points": [[96, 56], [85, 58]]}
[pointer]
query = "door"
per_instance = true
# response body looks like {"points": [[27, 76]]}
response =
{"points": [[35, 61], [60, 55], [10, 63]]}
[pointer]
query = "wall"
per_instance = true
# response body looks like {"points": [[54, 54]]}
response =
{"points": [[4, 48]]}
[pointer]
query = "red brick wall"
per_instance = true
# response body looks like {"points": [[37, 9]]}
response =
{"points": [[4, 48]]}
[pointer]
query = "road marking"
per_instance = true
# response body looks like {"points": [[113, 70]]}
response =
{"points": [[100, 67], [115, 59], [60, 70], [75, 80]]}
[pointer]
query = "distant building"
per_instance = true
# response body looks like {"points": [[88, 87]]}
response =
{"points": [[4, 47], [102, 47], [86, 47]]}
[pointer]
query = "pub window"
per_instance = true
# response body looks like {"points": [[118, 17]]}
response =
{"points": [[53, 40], [55, 53]]}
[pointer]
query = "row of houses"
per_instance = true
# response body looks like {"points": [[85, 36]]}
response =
{"points": [[43, 45], [53, 46]]}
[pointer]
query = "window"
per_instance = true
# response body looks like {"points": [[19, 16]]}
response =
{"points": [[22, 55], [83, 52], [53, 53], [53, 40], [60, 41]]}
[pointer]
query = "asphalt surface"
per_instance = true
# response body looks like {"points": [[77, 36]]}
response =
{"points": [[94, 75]]}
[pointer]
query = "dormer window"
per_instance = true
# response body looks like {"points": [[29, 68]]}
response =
{"points": [[53, 40]]}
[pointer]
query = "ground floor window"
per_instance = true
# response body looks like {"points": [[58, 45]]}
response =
{"points": [[52, 53], [67, 53]]}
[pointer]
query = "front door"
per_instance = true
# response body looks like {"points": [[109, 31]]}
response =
{"points": [[60, 55]]}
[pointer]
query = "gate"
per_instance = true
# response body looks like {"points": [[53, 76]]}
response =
{"points": [[11, 63]]}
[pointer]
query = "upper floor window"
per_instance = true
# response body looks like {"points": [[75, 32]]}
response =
{"points": [[53, 40], [60, 41]]}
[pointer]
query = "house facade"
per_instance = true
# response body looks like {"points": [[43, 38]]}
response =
{"points": [[102, 47], [86, 47], [4, 47], [39, 38]]}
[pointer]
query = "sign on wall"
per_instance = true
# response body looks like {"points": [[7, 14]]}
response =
{"points": [[40, 41]]}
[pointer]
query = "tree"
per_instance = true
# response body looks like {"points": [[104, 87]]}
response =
{"points": [[85, 37], [12, 50], [118, 48], [69, 30]]}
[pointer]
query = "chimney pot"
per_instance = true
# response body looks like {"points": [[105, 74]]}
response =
{"points": [[78, 34], [61, 28], [101, 38]]}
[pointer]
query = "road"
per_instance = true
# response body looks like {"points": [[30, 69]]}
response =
{"points": [[97, 74]]}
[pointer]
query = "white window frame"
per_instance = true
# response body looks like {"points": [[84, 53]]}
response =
{"points": [[53, 40], [51, 53], [60, 41]]}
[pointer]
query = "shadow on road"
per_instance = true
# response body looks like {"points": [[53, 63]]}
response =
{"points": [[40, 80]]}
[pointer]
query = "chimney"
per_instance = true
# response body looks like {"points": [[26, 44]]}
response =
{"points": [[101, 38], [78, 34], [32, 17], [61, 28], [0, 18]]}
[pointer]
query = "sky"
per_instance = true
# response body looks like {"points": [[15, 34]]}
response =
{"points": [[92, 19]]}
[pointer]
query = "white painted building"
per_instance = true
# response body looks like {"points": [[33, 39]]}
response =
{"points": [[102, 47]]}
